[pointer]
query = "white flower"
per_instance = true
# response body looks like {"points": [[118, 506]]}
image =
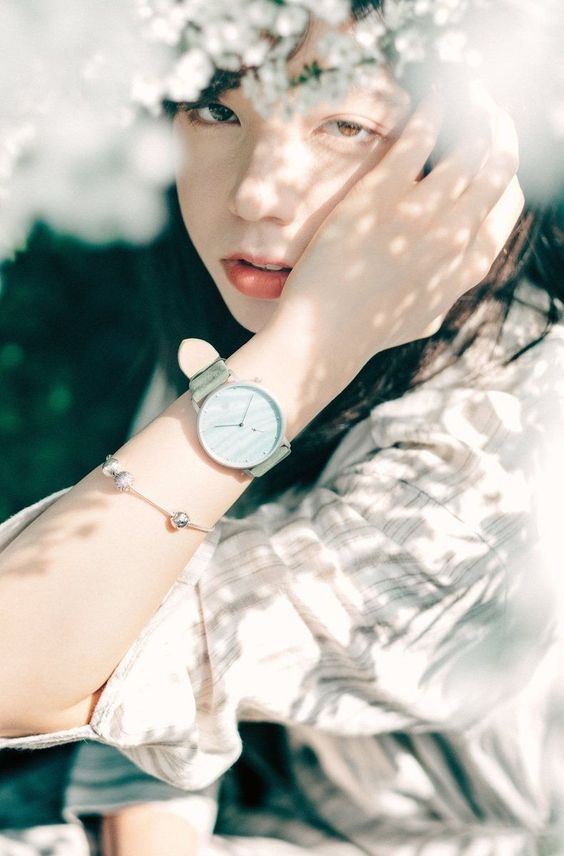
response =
{"points": [[334, 12], [410, 43], [192, 73], [339, 49], [368, 33], [260, 14], [422, 7], [396, 13], [290, 20], [256, 53], [165, 30], [450, 45], [368, 76], [267, 85], [148, 93], [448, 11]]}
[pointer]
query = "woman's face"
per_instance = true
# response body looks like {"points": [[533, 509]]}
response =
{"points": [[259, 188]]}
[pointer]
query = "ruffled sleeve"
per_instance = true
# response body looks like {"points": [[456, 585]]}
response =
{"points": [[394, 594]]}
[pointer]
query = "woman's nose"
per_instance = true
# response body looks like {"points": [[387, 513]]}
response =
{"points": [[270, 183]]}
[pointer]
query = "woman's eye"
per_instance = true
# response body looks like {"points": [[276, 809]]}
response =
{"points": [[347, 129], [214, 114], [211, 114]]}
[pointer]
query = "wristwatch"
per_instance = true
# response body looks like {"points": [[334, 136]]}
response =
{"points": [[240, 423]]}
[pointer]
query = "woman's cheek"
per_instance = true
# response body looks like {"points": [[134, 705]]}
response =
{"points": [[191, 211], [334, 179], [195, 158]]}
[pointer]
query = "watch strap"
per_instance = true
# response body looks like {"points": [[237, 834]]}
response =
{"points": [[208, 379], [194, 355], [203, 367], [278, 454]]}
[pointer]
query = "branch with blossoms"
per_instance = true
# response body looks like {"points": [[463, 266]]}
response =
{"points": [[84, 143]]}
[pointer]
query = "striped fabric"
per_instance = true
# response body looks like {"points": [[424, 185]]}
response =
{"points": [[401, 619]]}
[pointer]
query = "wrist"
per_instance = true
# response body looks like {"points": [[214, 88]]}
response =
{"points": [[332, 343], [288, 365]]}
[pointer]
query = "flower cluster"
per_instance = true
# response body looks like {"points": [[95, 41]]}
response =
{"points": [[84, 145], [259, 35], [74, 151]]}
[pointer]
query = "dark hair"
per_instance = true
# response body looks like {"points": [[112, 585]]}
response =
{"points": [[185, 302]]}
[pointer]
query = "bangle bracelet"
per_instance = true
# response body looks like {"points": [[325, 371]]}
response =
{"points": [[124, 481]]}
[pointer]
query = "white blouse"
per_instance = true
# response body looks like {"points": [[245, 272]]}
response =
{"points": [[401, 616]]}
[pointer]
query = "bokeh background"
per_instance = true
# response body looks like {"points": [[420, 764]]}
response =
{"points": [[76, 353]]}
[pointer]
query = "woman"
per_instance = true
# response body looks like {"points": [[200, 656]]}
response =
{"points": [[359, 604]]}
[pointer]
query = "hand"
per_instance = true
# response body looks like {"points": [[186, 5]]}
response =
{"points": [[395, 253]]}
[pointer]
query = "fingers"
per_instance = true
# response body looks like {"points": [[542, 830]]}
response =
{"points": [[401, 165], [487, 132], [457, 223], [490, 184], [451, 176], [492, 236]]}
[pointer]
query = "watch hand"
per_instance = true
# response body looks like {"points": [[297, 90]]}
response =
{"points": [[238, 425], [247, 408]]}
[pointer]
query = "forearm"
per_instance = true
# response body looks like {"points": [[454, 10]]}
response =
{"points": [[146, 830], [80, 582]]}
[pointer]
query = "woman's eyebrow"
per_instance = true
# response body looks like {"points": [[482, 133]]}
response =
{"points": [[377, 95]]}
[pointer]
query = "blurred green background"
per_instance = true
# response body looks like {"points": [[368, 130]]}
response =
{"points": [[76, 352]]}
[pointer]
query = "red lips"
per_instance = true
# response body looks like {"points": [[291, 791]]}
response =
{"points": [[250, 281], [261, 261]]}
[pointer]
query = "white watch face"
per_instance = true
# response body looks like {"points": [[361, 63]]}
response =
{"points": [[240, 424]]}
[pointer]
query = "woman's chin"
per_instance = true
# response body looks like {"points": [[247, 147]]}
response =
{"points": [[250, 313]]}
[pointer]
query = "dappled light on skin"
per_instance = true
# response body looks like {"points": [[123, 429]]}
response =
{"points": [[398, 245], [365, 224], [425, 247]]}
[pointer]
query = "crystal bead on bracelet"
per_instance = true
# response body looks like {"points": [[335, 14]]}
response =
{"points": [[123, 480]]}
